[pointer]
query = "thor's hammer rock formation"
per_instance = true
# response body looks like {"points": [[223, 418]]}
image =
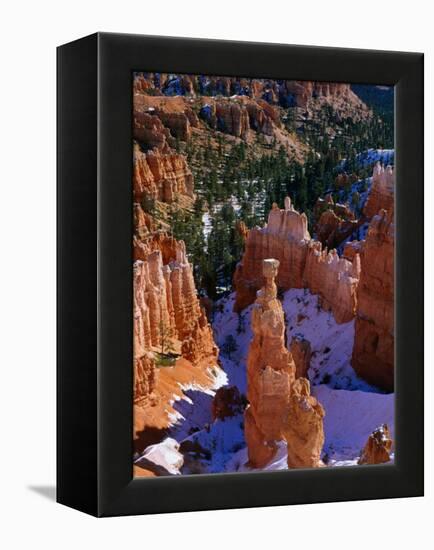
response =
{"points": [[277, 405]]}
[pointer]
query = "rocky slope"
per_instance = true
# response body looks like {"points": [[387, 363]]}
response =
{"points": [[184, 106], [284, 93], [335, 222]]}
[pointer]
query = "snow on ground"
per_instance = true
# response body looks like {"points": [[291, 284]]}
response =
{"points": [[214, 446], [193, 413], [227, 323], [165, 454], [370, 157], [278, 462], [350, 417], [331, 343], [353, 407], [361, 188], [193, 410], [207, 217]]}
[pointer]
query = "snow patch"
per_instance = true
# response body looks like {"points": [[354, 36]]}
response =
{"points": [[350, 418], [331, 343], [165, 454]]}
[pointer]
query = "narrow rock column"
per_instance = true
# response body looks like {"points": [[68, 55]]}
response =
{"points": [[280, 407], [270, 372]]}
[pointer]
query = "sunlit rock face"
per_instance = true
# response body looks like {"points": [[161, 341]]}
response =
{"points": [[378, 447], [161, 176], [334, 279], [373, 353], [270, 371], [276, 401], [284, 238], [304, 431], [382, 193], [303, 264], [301, 353], [165, 300]]}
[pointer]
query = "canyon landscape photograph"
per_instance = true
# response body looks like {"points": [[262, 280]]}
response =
{"points": [[263, 265]]}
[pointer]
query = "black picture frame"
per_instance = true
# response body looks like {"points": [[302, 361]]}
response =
{"points": [[95, 311]]}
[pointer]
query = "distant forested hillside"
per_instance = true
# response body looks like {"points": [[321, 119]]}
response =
{"points": [[379, 98]]}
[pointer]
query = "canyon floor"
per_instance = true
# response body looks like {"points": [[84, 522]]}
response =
{"points": [[353, 408]]}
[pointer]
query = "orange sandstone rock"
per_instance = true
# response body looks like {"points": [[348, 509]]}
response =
{"points": [[304, 431], [303, 264], [334, 279], [381, 195], [332, 230], [378, 447], [373, 352], [270, 372], [351, 249], [285, 238], [165, 301], [161, 176], [150, 132], [301, 353], [279, 405]]}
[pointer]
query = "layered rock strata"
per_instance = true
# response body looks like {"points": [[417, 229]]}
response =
{"points": [[159, 172], [275, 400], [334, 279], [238, 117], [378, 447], [161, 176], [285, 238], [373, 352], [270, 372], [303, 264], [174, 112], [166, 307]]}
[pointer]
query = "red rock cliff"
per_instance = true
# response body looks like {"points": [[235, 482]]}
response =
{"points": [[303, 264], [334, 279], [165, 298], [373, 353], [161, 176], [285, 238]]}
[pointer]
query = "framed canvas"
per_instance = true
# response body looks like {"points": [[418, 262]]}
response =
{"points": [[240, 274]]}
